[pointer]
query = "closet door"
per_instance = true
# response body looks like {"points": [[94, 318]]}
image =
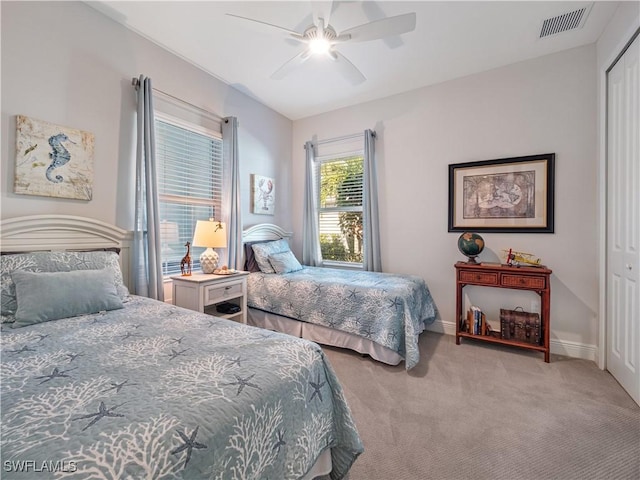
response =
{"points": [[623, 221]]}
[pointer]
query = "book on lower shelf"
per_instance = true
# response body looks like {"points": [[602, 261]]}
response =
{"points": [[476, 322]]}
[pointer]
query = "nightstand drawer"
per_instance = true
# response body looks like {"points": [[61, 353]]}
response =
{"points": [[483, 278], [523, 281], [215, 293]]}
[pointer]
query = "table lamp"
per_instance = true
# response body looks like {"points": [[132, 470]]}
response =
{"points": [[210, 234]]}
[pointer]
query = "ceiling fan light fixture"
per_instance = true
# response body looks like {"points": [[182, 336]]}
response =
{"points": [[321, 39], [319, 46]]}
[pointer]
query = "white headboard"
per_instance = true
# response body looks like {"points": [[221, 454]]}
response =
{"points": [[264, 231], [65, 232], [261, 232]]}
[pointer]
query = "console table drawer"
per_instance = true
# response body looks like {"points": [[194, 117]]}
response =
{"points": [[483, 278], [523, 281]]}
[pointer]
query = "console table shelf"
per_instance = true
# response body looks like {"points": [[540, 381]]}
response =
{"points": [[536, 279]]}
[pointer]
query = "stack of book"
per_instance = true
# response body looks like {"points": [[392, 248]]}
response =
{"points": [[476, 323]]}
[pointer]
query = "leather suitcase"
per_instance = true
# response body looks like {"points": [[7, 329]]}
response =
{"points": [[520, 326]]}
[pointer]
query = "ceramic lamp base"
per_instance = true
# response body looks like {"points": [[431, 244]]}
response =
{"points": [[209, 260]]}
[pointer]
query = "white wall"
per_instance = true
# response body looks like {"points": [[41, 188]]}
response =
{"points": [[617, 33], [538, 106], [66, 63]]}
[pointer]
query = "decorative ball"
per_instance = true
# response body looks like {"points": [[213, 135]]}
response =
{"points": [[470, 245]]}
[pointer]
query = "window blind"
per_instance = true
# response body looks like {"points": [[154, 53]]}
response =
{"points": [[189, 185], [340, 195]]}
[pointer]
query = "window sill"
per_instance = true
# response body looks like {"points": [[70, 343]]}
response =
{"points": [[342, 265]]}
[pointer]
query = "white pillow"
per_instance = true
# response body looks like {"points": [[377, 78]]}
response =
{"points": [[261, 252]]}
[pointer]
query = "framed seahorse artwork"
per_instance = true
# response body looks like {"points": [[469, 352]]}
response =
{"points": [[53, 161]]}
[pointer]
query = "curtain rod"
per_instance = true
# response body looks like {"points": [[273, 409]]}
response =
{"points": [[345, 137], [136, 83]]}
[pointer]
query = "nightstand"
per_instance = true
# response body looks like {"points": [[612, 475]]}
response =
{"points": [[203, 292]]}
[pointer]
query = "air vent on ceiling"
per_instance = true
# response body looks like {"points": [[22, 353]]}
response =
{"points": [[565, 22]]}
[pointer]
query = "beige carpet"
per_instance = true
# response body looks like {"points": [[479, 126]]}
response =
{"points": [[478, 411]]}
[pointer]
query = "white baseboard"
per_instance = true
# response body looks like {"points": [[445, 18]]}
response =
{"points": [[440, 326], [557, 347], [574, 349]]}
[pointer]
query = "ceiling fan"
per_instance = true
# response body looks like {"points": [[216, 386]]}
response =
{"points": [[321, 38]]}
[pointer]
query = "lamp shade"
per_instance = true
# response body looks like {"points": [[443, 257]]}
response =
{"points": [[210, 234]]}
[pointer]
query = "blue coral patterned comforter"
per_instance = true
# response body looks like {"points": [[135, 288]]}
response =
{"points": [[153, 391], [388, 309]]}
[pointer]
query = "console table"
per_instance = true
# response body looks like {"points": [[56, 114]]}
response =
{"points": [[536, 279]]}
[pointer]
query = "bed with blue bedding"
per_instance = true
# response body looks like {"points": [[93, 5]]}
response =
{"points": [[388, 309], [145, 389], [382, 314]]}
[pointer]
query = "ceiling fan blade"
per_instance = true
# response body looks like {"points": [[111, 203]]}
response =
{"points": [[291, 65], [321, 9], [347, 69], [382, 28], [268, 27]]}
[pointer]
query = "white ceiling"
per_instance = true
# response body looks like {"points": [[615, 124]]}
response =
{"points": [[452, 39]]}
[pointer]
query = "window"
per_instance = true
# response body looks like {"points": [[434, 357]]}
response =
{"points": [[189, 161], [339, 203]]}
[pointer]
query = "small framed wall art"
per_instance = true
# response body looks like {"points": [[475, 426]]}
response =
{"points": [[507, 195], [263, 192], [53, 161]]}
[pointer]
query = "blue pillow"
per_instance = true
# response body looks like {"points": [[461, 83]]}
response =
{"points": [[46, 296], [285, 262], [54, 262], [263, 250]]}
